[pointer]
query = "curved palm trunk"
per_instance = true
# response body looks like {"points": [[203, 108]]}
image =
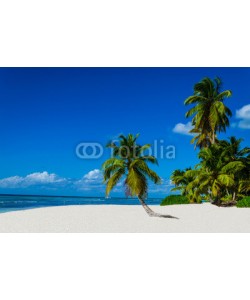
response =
{"points": [[151, 213]]}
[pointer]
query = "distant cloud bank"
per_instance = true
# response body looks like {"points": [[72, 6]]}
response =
{"points": [[38, 178], [90, 182]]}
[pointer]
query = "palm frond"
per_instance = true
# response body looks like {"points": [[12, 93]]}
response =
{"points": [[143, 168], [233, 167], [137, 183], [224, 94], [113, 180]]}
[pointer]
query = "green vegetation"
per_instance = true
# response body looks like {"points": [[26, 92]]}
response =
{"points": [[223, 174], [175, 199], [245, 202], [128, 161]]}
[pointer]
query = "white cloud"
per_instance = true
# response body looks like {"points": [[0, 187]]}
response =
{"points": [[90, 181], [183, 128], [243, 114], [93, 175], [11, 182], [43, 177], [38, 178]]}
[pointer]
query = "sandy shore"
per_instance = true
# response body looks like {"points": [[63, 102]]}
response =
{"points": [[115, 218]]}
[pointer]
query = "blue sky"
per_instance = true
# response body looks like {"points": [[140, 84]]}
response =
{"points": [[46, 112]]}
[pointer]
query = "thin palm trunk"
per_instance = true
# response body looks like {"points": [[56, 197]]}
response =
{"points": [[151, 213], [234, 196], [213, 137]]}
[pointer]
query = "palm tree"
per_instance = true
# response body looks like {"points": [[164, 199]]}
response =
{"points": [[177, 177], [233, 152], [130, 163], [210, 115], [215, 175], [180, 180]]}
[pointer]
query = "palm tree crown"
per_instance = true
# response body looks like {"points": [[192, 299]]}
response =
{"points": [[210, 115], [130, 163]]}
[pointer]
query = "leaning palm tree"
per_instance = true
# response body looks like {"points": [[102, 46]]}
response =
{"points": [[130, 163], [210, 114]]}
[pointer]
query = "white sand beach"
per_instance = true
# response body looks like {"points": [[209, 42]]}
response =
{"points": [[125, 218]]}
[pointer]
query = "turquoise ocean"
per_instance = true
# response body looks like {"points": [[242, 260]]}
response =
{"points": [[21, 202]]}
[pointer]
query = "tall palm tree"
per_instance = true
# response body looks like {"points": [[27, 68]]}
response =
{"points": [[130, 163], [210, 115]]}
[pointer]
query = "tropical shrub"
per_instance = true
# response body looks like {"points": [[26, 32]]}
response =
{"points": [[221, 177], [245, 202], [175, 199]]}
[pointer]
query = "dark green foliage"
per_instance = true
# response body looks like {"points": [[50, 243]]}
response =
{"points": [[222, 175], [245, 202], [175, 199]]}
